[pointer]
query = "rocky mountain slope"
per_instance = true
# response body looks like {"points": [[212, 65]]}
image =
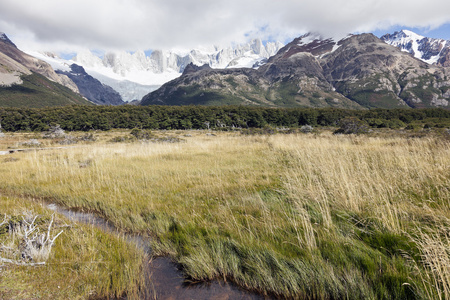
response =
{"points": [[29, 82], [358, 71], [430, 50], [92, 88], [8, 48]]}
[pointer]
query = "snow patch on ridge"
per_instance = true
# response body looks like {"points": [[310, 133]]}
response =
{"points": [[335, 47], [56, 62]]}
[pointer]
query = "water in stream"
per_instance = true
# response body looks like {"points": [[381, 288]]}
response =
{"points": [[166, 281]]}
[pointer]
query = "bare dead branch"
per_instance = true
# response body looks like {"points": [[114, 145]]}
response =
{"points": [[20, 263], [35, 247], [5, 220]]}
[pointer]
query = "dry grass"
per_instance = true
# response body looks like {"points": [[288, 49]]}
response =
{"points": [[83, 263], [318, 216], [434, 244]]}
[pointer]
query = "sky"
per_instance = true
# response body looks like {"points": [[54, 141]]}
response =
{"points": [[67, 26]]}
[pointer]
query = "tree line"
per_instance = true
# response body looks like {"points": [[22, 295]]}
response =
{"points": [[85, 118]]}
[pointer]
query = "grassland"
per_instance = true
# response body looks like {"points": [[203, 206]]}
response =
{"points": [[314, 216], [84, 262]]}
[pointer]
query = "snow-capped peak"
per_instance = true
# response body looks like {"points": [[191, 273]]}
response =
{"points": [[412, 35], [426, 49]]}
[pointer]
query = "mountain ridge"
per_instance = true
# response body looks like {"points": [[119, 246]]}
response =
{"points": [[358, 71], [134, 75]]}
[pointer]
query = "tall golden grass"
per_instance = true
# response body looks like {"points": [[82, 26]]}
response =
{"points": [[264, 210]]}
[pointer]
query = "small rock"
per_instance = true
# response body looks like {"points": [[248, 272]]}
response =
{"points": [[10, 159], [32, 143]]}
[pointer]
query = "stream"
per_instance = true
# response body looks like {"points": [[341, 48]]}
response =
{"points": [[165, 280]]}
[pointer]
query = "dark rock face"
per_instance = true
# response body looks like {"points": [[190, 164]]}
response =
{"points": [[444, 59], [92, 88], [359, 71], [260, 63], [191, 68], [429, 49]]}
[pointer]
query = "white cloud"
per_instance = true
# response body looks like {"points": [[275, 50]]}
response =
{"points": [[153, 24]]}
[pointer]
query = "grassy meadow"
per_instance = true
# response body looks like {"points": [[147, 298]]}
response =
{"points": [[84, 263], [306, 216]]}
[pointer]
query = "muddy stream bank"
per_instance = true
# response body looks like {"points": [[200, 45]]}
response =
{"points": [[165, 280]]}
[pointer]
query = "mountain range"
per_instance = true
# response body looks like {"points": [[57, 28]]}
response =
{"points": [[133, 75], [402, 69], [357, 71]]}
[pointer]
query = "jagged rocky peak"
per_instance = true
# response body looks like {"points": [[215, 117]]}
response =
{"points": [[191, 68], [4, 38], [160, 61], [271, 48], [123, 62], [429, 50], [405, 40], [402, 35], [76, 69]]}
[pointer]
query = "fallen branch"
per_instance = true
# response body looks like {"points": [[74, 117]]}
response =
{"points": [[5, 220], [20, 263]]}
